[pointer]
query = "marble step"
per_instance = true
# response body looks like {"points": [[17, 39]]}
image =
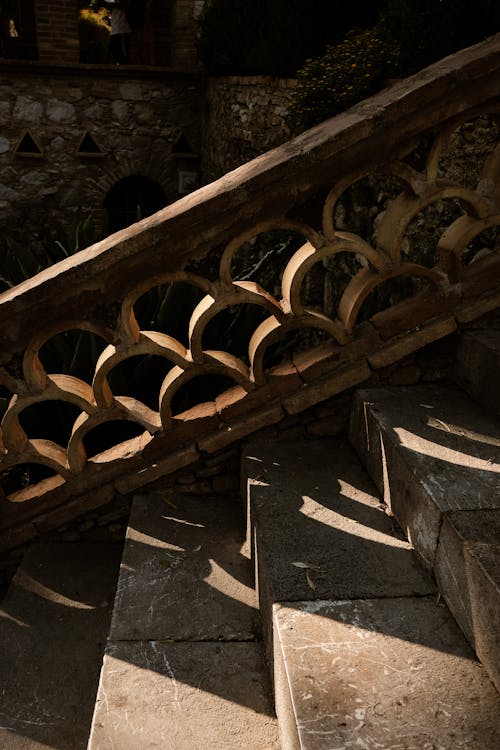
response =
{"points": [[53, 626], [435, 456], [365, 654], [478, 367], [184, 665]]}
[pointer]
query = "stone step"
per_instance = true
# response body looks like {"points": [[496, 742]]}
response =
{"points": [[381, 673], [364, 653], [53, 626], [184, 665], [478, 366], [435, 455]]}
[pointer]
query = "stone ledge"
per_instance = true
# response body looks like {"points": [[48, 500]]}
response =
{"points": [[410, 342], [311, 394]]}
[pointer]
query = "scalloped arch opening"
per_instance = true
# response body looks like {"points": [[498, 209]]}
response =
{"points": [[232, 328], [263, 258], [110, 434], [324, 284], [358, 207], [140, 377], [49, 420], [291, 344], [388, 293], [17, 478], [483, 245], [168, 308], [423, 232], [73, 352], [200, 390]]}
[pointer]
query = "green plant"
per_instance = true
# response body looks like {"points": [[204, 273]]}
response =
{"points": [[93, 30], [347, 73]]}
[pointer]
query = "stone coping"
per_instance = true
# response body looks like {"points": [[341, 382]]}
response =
{"points": [[77, 69]]}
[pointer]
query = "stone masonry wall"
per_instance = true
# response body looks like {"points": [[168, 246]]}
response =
{"points": [[134, 118], [243, 117]]}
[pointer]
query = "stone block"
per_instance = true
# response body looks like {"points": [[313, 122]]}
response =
{"points": [[183, 576], [430, 450], [478, 367], [388, 673], [345, 377], [411, 342], [157, 469], [468, 574], [318, 528], [228, 434], [55, 620], [183, 696], [74, 508], [473, 309]]}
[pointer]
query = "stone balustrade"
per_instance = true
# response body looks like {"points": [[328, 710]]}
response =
{"points": [[403, 134]]}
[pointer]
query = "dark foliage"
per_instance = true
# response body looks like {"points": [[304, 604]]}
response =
{"points": [[258, 37]]}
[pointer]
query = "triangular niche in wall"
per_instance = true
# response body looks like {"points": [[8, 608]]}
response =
{"points": [[27, 146], [89, 147], [182, 148]]}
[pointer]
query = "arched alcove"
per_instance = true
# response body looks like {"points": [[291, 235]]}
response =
{"points": [[131, 199]]}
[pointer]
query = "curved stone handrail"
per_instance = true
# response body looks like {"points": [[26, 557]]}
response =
{"points": [[96, 290]]}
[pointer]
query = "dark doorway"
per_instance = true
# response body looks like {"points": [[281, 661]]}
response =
{"points": [[132, 199]]}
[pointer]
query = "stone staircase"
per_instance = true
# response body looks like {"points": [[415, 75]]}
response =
{"points": [[358, 621]]}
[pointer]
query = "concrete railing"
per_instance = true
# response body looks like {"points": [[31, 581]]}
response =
{"points": [[402, 134]]}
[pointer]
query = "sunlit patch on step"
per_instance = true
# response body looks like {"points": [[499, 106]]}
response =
{"points": [[440, 452], [454, 429], [28, 583]]}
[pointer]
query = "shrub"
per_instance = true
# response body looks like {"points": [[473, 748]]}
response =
{"points": [[345, 74], [93, 30]]}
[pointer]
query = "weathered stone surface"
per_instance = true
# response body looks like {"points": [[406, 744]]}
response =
{"points": [[442, 455], [184, 696], [478, 370], [468, 574], [312, 502], [470, 310], [411, 342], [53, 626], [381, 673], [346, 376], [318, 530], [183, 576], [58, 111], [156, 469], [242, 427]]}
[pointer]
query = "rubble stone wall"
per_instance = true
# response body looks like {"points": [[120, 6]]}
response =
{"points": [[134, 119], [243, 117]]}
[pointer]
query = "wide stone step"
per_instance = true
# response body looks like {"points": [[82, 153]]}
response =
{"points": [[365, 654], [53, 626], [382, 673], [478, 366], [435, 455], [184, 665]]}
